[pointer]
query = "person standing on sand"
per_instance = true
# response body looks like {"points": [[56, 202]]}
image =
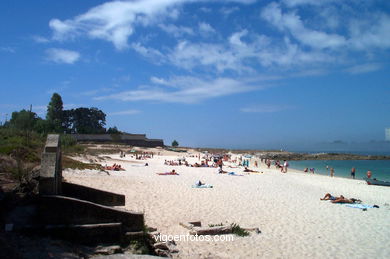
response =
{"points": [[331, 172], [353, 171], [369, 174], [285, 166]]}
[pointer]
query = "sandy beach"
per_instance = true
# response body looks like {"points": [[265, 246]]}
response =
{"points": [[294, 222]]}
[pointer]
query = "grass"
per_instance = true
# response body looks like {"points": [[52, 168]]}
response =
{"points": [[215, 225], [239, 231], [70, 163]]}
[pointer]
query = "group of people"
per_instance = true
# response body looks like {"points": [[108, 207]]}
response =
{"points": [[114, 167]]}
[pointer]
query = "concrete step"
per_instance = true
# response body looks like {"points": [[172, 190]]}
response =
{"points": [[87, 234]]}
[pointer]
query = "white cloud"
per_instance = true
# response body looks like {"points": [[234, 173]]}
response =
{"points": [[293, 3], [40, 39], [150, 53], [7, 49], [158, 81], [371, 33], [62, 56], [189, 55], [292, 23], [364, 68], [205, 28], [186, 90], [116, 21], [127, 112], [176, 31], [235, 38], [265, 108], [229, 10]]}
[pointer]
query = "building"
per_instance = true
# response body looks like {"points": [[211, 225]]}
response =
{"points": [[387, 134], [139, 140]]}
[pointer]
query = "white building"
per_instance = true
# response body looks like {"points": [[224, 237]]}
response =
{"points": [[387, 134]]}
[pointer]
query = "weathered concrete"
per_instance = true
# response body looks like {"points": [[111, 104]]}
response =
{"points": [[92, 195], [77, 212], [51, 171], [59, 210]]}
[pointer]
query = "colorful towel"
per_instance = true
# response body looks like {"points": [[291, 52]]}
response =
{"points": [[359, 206], [234, 174]]}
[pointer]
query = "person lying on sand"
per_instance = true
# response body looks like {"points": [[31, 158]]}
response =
{"points": [[340, 199], [220, 171], [250, 170], [329, 196], [199, 183]]}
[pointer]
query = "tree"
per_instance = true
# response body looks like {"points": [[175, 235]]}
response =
{"points": [[175, 143], [23, 120], [86, 121], [113, 130], [54, 114]]}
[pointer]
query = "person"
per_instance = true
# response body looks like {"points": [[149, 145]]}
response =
{"points": [[342, 199], [353, 171], [285, 165], [312, 170], [199, 183], [369, 174], [220, 163], [331, 172], [246, 169], [306, 170], [329, 196]]}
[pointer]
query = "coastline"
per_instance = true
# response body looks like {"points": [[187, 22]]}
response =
{"points": [[285, 207]]}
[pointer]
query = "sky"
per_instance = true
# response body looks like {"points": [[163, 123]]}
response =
{"points": [[283, 74]]}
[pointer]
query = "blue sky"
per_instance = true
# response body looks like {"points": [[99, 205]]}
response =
{"points": [[225, 73]]}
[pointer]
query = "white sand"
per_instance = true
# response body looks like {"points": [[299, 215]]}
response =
{"points": [[285, 207]]}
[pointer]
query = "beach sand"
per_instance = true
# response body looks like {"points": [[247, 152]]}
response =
{"points": [[294, 223]]}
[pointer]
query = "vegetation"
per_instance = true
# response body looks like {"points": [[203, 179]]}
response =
{"points": [[70, 163], [175, 143], [239, 231], [216, 225]]}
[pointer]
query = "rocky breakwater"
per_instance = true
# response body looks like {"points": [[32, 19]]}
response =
{"points": [[318, 156]]}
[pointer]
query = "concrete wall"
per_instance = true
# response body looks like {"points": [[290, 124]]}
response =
{"points": [[59, 210], [93, 195], [129, 139]]}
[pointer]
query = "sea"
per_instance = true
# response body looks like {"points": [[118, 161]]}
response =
{"points": [[380, 168]]}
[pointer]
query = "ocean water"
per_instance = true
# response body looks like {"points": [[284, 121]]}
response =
{"points": [[380, 168]]}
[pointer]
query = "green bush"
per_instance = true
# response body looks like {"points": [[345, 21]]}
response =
{"points": [[239, 231]]}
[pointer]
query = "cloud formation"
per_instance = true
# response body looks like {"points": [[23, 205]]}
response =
{"points": [[62, 55], [184, 90]]}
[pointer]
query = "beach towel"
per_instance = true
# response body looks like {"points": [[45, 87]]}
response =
{"points": [[359, 206], [234, 174], [169, 173], [202, 186]]}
